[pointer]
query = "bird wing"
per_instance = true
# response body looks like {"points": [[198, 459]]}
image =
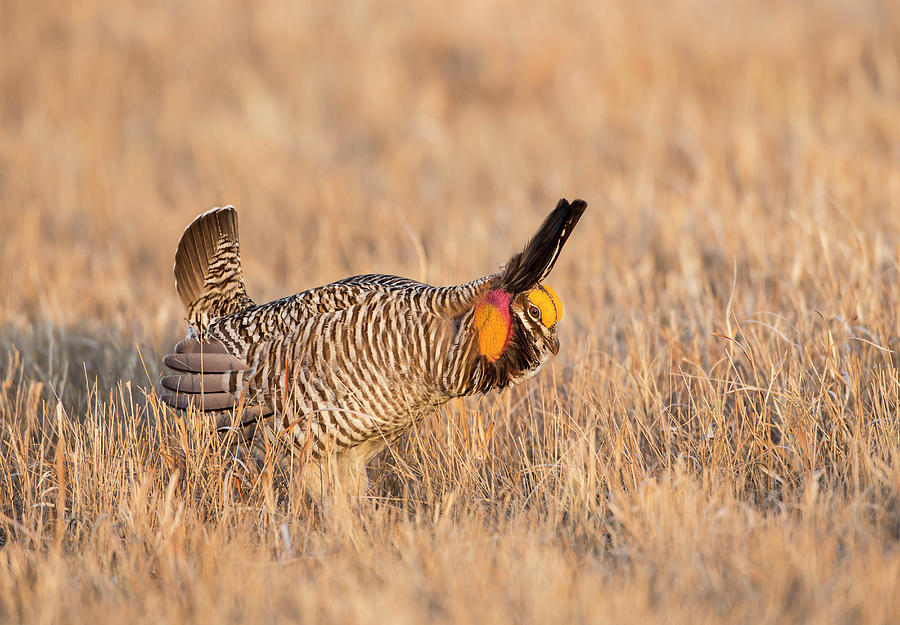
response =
{"points": [[248, 359], [378, 281]]}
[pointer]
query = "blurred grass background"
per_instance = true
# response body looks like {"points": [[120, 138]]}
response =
{"points": [[718, 440]]}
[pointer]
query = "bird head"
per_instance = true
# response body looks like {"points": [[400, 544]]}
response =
{"points": [[515, 319], [525, 322]]}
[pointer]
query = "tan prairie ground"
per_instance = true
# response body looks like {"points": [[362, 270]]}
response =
{"points": [[719, 438]]}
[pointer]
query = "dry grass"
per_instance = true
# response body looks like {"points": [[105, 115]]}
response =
{"points": [[719, 440]]}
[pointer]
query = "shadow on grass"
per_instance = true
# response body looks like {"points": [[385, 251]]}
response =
{"points": [[73, 364]]}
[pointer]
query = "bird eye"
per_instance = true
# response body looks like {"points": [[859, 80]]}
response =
{"points": [[534, 312]]}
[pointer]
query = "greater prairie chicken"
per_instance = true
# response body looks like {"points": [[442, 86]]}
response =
{"points": [[341, 370]]}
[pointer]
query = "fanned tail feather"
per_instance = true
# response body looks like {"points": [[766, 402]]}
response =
{"points": [[210, 283], [208, 274]]}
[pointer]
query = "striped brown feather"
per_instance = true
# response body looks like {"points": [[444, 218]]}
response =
{"points": [[349, 364], [208, 275]]}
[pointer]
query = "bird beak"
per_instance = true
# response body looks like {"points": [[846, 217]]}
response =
{"points": [[554, 345]]}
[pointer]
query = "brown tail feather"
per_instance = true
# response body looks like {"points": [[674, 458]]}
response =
{"points": [[208, 275], [531, 266]]}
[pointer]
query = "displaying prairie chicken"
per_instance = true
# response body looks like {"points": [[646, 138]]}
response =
{"points": [[339, 371]]}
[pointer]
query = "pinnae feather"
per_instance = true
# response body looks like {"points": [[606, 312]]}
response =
{"points": [[532, 265]]}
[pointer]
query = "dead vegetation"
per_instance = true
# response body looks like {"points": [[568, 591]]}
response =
{"points": [[719, 439]]}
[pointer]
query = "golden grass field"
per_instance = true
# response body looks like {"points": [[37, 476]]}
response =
{"points": [[719, 438]]}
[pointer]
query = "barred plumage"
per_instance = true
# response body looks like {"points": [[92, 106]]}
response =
{"points": [[341, 370]]}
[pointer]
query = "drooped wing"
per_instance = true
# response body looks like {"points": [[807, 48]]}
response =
{"points": [[246, 360], [206, 376]]}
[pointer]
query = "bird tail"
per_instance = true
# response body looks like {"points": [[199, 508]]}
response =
{"points": [[208, 274], [530, 267]]}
